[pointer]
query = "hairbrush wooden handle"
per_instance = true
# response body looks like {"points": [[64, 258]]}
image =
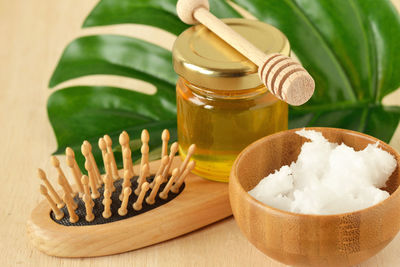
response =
{"points": [[283, 76]]}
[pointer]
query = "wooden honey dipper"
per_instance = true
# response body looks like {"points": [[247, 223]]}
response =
{"points": [[283, 76]]}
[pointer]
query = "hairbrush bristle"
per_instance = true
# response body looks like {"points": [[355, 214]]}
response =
{"points": [[165, 138], [163, 165], [127, 159], [107, 203], [144, 173], [56, 163], [143, 190], [114, 168], [126, 193], [157, 182], [126, 183], [182, 177], [76, 172], [174, 149], [97, 193], [145, 137], [58, 213], [92, 179], [189, 155], [164, 193], [57, 198], [86, 150]]}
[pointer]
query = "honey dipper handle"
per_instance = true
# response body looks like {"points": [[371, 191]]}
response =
{"points": [[230, 36], [284, 77]]}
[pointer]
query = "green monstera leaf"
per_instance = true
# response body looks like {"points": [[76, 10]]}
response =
{"points": [[88, 112], [347, 46], [350, 50]]}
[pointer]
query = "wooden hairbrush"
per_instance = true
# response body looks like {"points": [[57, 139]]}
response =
{"points": [[284, 77], [126, 209]]}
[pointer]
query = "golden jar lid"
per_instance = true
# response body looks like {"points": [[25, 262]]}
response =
{"points": [[204, 59]]}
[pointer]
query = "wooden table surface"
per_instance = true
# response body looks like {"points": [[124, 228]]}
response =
{"points": [[33, 36]]}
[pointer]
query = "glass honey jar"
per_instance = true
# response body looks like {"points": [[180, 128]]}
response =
{"points": [[222, 106]]}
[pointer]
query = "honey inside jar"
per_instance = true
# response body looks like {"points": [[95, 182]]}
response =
{"points": [[222, 106], [223, 123]]}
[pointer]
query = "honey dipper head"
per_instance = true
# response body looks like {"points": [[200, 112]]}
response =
{"points": [[298, 88], [186, 8], [287, 79]]}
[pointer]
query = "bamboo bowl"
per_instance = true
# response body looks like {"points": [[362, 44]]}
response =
{"points": [[310, 240]]}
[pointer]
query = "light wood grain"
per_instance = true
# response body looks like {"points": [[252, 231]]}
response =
{"points": [[33, 36]]}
